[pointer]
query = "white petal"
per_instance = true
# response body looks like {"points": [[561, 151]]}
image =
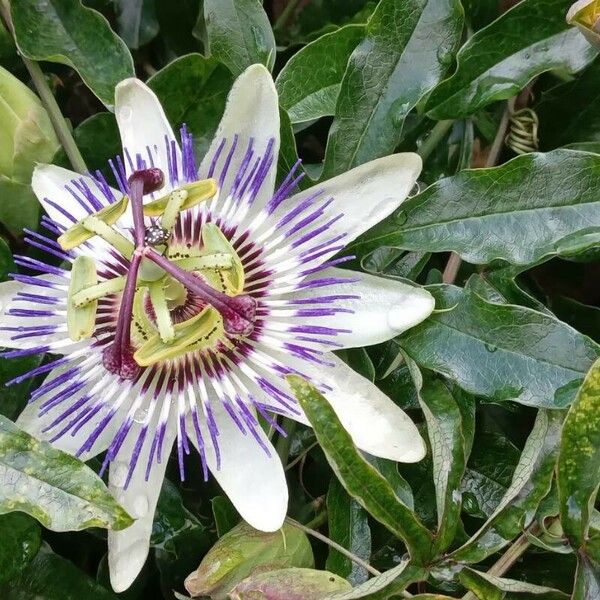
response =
{"points": [[31, 421], [374, 422], [359, 199], [251, 112], [10, 301], [254, 482], [128, 549], [48, 183], [143, 125], [383, 309]]}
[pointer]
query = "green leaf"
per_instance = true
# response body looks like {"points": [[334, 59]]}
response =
{"points": [[136, 21], [55, 488], [225, 515], [243, 551], [171, 518], [579, 459], [283, 584], [98, 141], [444, 428], [389, 469], [66, 32], [178, 537], [490, 469], [309, 83], [288, 154], [521, 354], [192, 90], [362, 481], [20, 540], [490, 587], [238, 33], [348, 525], [484, 214], [587, 579], [584, 318], [386, 585], [531, 482], [575, 106], [51, 577], [499, 61], [407, 49], [13, 398]]}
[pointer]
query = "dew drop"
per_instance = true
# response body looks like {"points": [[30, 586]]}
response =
{"points": [[118, 473], [139, 507], [444, 57], [401, 217], [140, 415], [126, 112]]}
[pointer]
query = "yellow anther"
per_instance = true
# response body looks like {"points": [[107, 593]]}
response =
{"points": [[78, 233], [161, 311], [216, 243], [196, 192], [81, 320], [199, 332]]}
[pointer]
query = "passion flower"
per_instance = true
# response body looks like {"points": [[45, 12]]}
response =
{"points": [[184, 298]]}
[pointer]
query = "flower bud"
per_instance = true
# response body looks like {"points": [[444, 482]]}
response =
{"points": [[289, 584], [26, 133], [26, 138], [244, 551], [585, 14]]}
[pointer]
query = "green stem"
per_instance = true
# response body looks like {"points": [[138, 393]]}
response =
{"points": [[49, 101], [285, 15], [508, 559], [334, 545], [436, 135]]}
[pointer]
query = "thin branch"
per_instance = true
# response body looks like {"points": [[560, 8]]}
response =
{"points": [[359, 561], [436, 135], [508, 559], [285, 15]]}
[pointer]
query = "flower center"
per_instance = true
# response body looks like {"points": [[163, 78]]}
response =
{"points": [[211, 273]]}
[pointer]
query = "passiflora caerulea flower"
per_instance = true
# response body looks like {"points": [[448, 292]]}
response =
{"points": [[187, 296]]}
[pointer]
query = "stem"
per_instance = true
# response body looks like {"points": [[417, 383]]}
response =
{"points": [[454, 262], [285, 15], [300, 456], [49, 101], [436, 135], [508, 559], [334, 545]]}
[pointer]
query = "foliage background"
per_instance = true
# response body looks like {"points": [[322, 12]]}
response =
{"points": [[507, 489]]}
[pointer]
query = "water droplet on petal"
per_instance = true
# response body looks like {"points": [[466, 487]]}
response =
{"points": [[126, 112], [139, 507], [118, 473], [140, 415]]}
